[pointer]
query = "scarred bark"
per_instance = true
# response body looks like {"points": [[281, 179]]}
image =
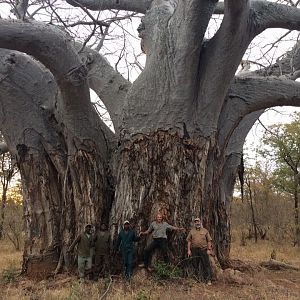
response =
{"points": [[161, 172], [66, 185]]}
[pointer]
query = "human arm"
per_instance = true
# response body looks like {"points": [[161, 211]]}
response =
{"points": [[75, 242], [175, 228], [136, 237], [209, 243], [118, 243], [149, 230], [189, 248], [189, 243]]}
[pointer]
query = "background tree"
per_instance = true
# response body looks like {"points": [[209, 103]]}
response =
{"points": [[179, 127], [7, 171], [265, 207], [14, 222], [283, 146]]}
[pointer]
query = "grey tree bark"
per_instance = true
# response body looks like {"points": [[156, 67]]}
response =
{"points": [[179, 127]]}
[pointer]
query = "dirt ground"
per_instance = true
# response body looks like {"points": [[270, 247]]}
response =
{"points": [[264, 284]]}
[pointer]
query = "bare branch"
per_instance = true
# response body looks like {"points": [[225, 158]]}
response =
{"points": [[21, 9], [139, 6], [275, 15]]}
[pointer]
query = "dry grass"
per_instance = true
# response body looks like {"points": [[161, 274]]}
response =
{"points": [[9, 258], [266, 284], [261, 251]]}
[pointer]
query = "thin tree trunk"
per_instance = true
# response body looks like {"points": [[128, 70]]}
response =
{"points": [[3, 206], [252, 211], [296, 213]]}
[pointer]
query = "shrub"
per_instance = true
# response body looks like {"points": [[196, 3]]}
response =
{"points": [[164, 271], [10, 275]]}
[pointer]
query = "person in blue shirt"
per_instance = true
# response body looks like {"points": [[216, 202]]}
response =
{"points": [[125, 242]]}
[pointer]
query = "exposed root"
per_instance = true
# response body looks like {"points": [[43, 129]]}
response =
{"points": [[276, 265]]}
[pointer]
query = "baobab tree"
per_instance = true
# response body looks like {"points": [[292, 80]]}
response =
{"points": [[179, 127]]}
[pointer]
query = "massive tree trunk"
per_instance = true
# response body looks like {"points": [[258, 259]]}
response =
{"points": [[180, 126]]}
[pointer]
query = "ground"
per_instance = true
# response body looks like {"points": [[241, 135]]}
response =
{"points": [[265, 284]]}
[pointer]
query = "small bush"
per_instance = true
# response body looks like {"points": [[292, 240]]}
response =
{"points": [[10, 275], [142, 295], [164, 271], [75, 292]]}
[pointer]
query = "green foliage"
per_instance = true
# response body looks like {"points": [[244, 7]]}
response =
{"points": [[164, 271], [10, 275], [75, 292], [142, 295], [282, 145]]}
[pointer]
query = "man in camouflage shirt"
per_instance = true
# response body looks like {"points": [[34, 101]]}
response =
{"points": [[102, 239]]}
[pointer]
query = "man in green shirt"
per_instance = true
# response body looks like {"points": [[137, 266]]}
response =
{"points": [[102, 239], [85, 243]]}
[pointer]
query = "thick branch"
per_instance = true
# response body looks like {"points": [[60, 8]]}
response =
{"points": [[275, 15], [110, 86], [139, 6], [247, 95], [47, 44], [27, 101], [233, 155], [225, 49], [189, 25], [234, 8]]}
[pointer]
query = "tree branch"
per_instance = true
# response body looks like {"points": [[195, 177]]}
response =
{"points": [[251, 94], [139, 6], [274, 15], [110, 86], [225, 49], [189, 24], [47, 44], [235, 8], [28, 90]]}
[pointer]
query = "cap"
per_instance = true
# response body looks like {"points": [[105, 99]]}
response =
{"points": [[197, 219], [88, 225], [126, 222]]}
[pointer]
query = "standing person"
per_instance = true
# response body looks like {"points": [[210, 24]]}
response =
{"points": [[159, 229], [125, 242], [102, 239], [199, 246], [85, 243]]}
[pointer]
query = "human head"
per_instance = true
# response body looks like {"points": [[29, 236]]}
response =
{"points": [[126, 225], [197, 222], [88, 228], [159, 218]]}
